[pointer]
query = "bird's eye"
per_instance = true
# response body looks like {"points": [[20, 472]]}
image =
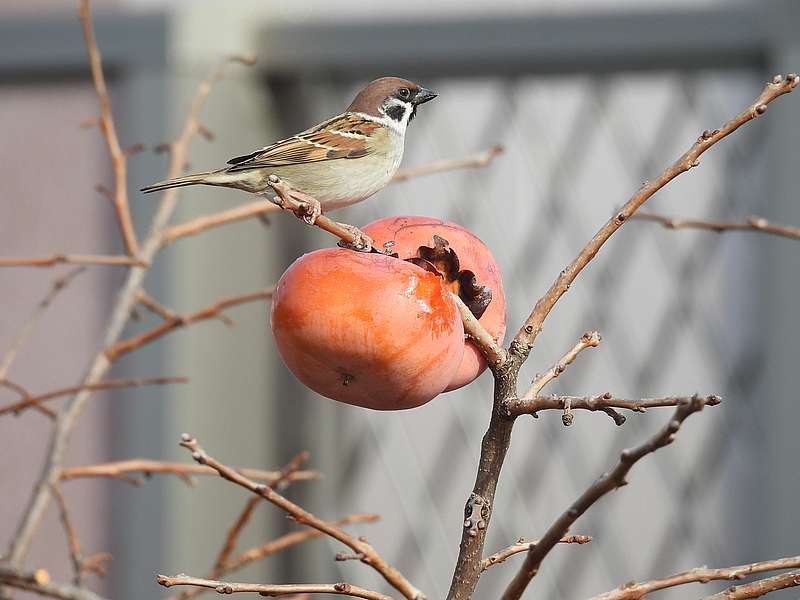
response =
{"points": [[404, 92]]}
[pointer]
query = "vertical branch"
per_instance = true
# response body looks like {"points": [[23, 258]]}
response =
{"points": [[119, 159], [72, 538]]}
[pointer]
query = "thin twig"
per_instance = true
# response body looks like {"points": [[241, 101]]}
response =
{"points": [[290, 539], [523, 546], [24, 393], [608, 482], [494, 353], [264, 589], [214, 311], [371, 556], [73, 543], [754, 224], [123, 470], [590, 339], [111, 384], [73, 259], [28, 328], [200, 224], [605, 402], [119, 159], [229, 545], [759, 588], [154, 307], [482, 159], [635, 591], [38, 581]]}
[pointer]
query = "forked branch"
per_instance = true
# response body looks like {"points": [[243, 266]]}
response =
{"points": [[759, 588], [299, 514], [613, 479], [636, 591], [119, 158]]}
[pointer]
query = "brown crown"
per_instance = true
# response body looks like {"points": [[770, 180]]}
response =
{"points": [[371, 97]]}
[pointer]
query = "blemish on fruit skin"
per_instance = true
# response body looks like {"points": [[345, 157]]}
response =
{"points": [[346, 378]]}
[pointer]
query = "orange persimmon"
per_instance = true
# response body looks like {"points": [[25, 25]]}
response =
{"points": [[367, 329]]}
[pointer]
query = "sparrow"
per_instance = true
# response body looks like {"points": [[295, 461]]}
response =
{"points": [[339, 162]]}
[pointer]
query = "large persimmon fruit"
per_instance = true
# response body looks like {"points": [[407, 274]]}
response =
{"points": [[467, 265], [367, 329]]}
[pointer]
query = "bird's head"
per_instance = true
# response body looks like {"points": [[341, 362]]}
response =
{"points": [[393, 98]]}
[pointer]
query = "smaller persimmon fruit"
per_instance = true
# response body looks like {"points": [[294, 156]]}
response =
{"points": [[466, 264]]}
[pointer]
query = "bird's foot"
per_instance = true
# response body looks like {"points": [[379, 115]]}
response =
{"points": [[361, 241], [310, 208]]}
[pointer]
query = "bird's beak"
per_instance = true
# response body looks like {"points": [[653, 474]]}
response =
{"points": [[423, 96]]}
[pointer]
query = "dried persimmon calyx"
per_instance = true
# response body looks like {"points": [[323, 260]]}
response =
{"points": [[442, 259]]}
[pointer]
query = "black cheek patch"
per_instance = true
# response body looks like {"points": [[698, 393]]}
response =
{"points": [[396, 112]]}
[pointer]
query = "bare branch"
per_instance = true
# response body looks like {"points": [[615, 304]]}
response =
{"points": [[73, 259], [247, 512], [154, 307], [756, 224], [38, 581], [200, 224], [80, 565], [263, 589], [635, 591], [111, 384], [371, 556], [274, 546], [24, 393], [523, 341], [119, 159], [494, 353], [481, 159], [123, 469], [590, 339], [759, 588], [523, 546], [28, 328], [608, 482], [309, 210], [603, 403], [211, 312]]}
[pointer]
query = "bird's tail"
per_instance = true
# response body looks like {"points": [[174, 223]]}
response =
{"points": [[206, 178]]}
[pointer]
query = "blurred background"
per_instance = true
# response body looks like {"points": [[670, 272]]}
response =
{"points": [[589, 98]]}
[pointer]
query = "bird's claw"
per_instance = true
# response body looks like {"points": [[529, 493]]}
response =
{"points": [[310, 210]]}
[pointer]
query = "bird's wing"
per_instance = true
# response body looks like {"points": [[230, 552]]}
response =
{"points": [[345, 136]]}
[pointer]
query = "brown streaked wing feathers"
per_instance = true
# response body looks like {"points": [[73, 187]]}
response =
{"points": [[313, 145]]}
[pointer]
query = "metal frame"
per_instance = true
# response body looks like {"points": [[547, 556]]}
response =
{"points": [[600, 42]]}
